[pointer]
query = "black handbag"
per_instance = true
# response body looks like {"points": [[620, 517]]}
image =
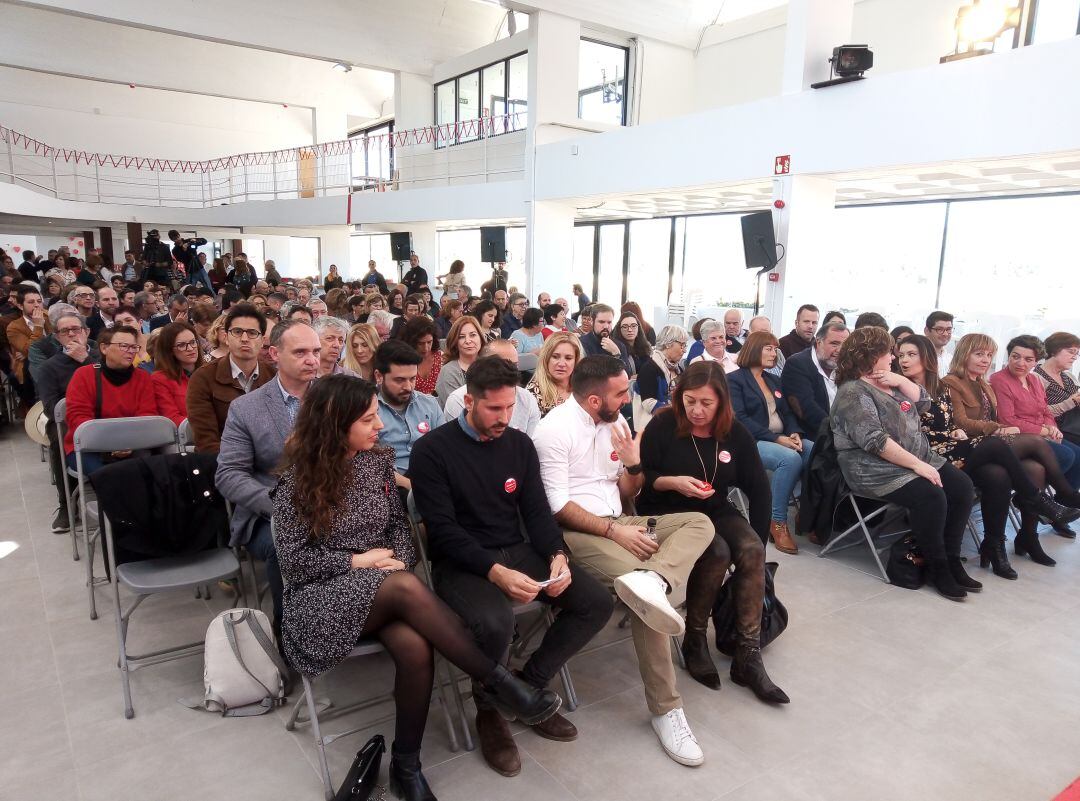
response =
{"points": [[774, 615], [906, 566], [1069, 423], [363, 776]]}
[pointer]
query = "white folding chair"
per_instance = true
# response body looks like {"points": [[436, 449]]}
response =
{"points": [[187, 438], [66, 474], [884, 515], [105, 436]]}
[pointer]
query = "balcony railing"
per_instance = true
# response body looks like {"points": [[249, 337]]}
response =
{"points": [[330, 168]]}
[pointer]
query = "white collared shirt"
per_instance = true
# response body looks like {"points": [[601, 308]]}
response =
{"points": [[830, 384], [578, 462], [245, 382]]}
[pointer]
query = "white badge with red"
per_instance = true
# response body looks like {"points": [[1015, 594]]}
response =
{"points": [[510, 485], [724, 457], [614, 456], [905, 406], [778, 394], [423, 427]]}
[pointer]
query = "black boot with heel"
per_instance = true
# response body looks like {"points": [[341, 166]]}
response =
{"points": [[406, 780], [992, 554]]}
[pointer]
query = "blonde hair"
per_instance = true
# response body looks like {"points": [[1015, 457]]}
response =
{"points": [[215, 329], [968, 344], [371, 336], [549, 390]]}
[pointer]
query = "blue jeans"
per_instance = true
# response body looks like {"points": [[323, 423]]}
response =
{"points": [[1068, 456], [787, 467], [261, 546], [91, 462]]}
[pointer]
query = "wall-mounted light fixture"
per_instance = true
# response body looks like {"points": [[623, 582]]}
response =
{"points": [[980, 24]]}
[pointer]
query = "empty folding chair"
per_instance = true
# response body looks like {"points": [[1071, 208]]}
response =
{"points": [[106, 436]]}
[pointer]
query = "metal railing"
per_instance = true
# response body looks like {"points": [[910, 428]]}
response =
{"points": [[474, 151]]}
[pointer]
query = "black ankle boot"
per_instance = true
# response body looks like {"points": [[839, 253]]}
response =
{"points": [[992, 553], [518, 700], [699, 662], [406, 780], [747, 670], [1052, 511], [960, 576], [1068, 498], [1027, 544], [942, 579]]}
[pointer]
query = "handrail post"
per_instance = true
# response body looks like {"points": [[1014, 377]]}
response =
{"points": [[55, 180]]}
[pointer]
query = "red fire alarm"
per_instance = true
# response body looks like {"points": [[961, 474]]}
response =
{"points": [[774, 278], [779, 204]]}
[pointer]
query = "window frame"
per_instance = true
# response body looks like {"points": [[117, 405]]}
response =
{"points": [[479, 70], [365, 133], [626, 78]]}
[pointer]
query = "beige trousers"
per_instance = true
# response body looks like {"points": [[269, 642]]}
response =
{"points": [[682, 538]]}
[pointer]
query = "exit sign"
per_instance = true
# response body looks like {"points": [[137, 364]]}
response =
{"points": [[782, 165]]}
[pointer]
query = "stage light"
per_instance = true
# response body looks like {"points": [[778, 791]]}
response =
{"points": [[849, 62], [980, 24]]}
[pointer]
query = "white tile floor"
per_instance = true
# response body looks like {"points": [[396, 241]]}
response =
{"points": [[895, 695]]}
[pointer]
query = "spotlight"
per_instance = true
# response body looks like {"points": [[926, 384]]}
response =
{"points": [[849, 62], [979, 25], [341, 66]]}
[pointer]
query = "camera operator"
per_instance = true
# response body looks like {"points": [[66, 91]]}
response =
{"points": [[184, 251], [159, 262]]}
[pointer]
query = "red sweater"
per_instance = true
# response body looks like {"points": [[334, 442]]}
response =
{"points": [[171, 396], [1025, 409], [133, 399]]}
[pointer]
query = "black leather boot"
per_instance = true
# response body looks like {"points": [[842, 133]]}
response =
{"points": [[960, 576], [699, 662], [519, 700], [1068, 498], [942, 579], [406, 780], [747, 670], [1052, 511], [992, 554], [1027, 544]]}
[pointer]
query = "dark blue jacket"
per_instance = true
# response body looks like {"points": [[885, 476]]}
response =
{"points": [[805, 390], [750, 408]]}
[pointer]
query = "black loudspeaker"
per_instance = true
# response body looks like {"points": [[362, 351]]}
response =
{"points": [[492, 244], [401, 246], [759, 242]]}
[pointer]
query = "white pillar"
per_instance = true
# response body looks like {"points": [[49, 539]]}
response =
{"points": [[549, 250], [334, 249], [805, 229], [814, 28]]}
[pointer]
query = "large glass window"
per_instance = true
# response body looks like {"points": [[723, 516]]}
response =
{"points": [[464, 245], [254, 250], [1055, 20], [609, 280], [584, 251], [517, 93], [713, 266], [495, 91], [364, 247], [468, 101], [647, 275], [494, 104], [602, 82], [445, 112], [373, 155], [304, 257]]}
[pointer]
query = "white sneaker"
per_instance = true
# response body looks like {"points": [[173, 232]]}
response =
{"points": [[645, 593], [677, 739]]}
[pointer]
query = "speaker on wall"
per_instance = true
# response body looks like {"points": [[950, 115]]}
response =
{"points": [[759, 242], [401, 245], [493, 244]]}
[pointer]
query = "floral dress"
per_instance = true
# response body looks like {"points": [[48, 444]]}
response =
{"points": [[938, 425], [545, 407], [427, 384], [326, 600]]}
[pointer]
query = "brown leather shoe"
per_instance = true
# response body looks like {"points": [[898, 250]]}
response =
{"points": [[496, 744], [781, 538], [557, 728]]}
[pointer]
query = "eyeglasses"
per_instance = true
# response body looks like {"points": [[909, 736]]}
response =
{"points": [[186, 345], [83, 295], [524, 303], [69, 331], [940, 330], [126, 348], [628, 326], [248, 333]]}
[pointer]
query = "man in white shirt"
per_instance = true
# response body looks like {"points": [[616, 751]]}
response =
{"points": [[809, 381], [591, 464], [526, 411], [939, 330]]}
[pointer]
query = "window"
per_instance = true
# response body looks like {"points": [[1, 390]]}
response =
{"points": [[602, 82], [647, 274], [374, 159], [254, 250], [490, 94], [609, 278], [1055, 20], [304, 256], [363, 248], [713, 267]]}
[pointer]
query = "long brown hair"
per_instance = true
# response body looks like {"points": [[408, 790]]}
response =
{"points": [[696, 376], [929, 358], [318, 448], [968, 344], [452, 352], [165, 360], [750, 353]]}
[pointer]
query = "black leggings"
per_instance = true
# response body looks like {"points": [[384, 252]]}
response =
{"points": [[937, 515], [997, 471], [409, 619], [1039, 461]]}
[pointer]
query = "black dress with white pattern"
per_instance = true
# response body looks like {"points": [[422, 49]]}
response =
{"points": [[327, 601]]}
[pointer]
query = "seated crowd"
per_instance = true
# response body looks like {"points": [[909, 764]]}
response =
{"points": [[600, 471]]}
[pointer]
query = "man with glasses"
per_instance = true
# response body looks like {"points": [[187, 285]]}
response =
{"points": [[517, 305], [939, 328], [213, 388], [318, 309], [52, 379], [84, 300]]}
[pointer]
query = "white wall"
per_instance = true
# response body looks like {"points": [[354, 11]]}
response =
{"points": [[666, 86]]}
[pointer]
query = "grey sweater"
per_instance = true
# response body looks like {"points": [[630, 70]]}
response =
{"points": [[863, 418]]}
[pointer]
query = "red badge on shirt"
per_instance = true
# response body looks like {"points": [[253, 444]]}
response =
{"points": [[510, 485], [778, 394], [724, 457], [614, 456], [423, 427], [905, 406]]}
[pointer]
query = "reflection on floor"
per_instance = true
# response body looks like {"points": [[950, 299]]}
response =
{"points": [[895, 695]]}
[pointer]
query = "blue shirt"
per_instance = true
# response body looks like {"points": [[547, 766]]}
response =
{"points": [[401, 430]]}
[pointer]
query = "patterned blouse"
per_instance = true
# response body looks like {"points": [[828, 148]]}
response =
{"points": [[1059, 395], [427, 385], [534, 388], [938, 425]]}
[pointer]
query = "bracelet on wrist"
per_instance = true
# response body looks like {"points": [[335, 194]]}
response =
{"points": [[607, 531], [634, 469]]}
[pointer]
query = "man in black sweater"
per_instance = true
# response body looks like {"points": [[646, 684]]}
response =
{"points": [[478, 488]]}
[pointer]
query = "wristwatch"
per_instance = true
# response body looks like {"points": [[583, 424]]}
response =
{"points": [[634, 469]]}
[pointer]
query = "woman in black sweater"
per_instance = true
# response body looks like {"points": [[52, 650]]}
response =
{"points": [[692, 455]]}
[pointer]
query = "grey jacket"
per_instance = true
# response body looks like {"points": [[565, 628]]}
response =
{"points": [[862, 419], [251, 448]]}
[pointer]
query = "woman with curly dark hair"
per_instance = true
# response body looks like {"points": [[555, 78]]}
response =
{"points": [[419, 334], [345, 550], [490, 318], [631, 332], [884, 454]]}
